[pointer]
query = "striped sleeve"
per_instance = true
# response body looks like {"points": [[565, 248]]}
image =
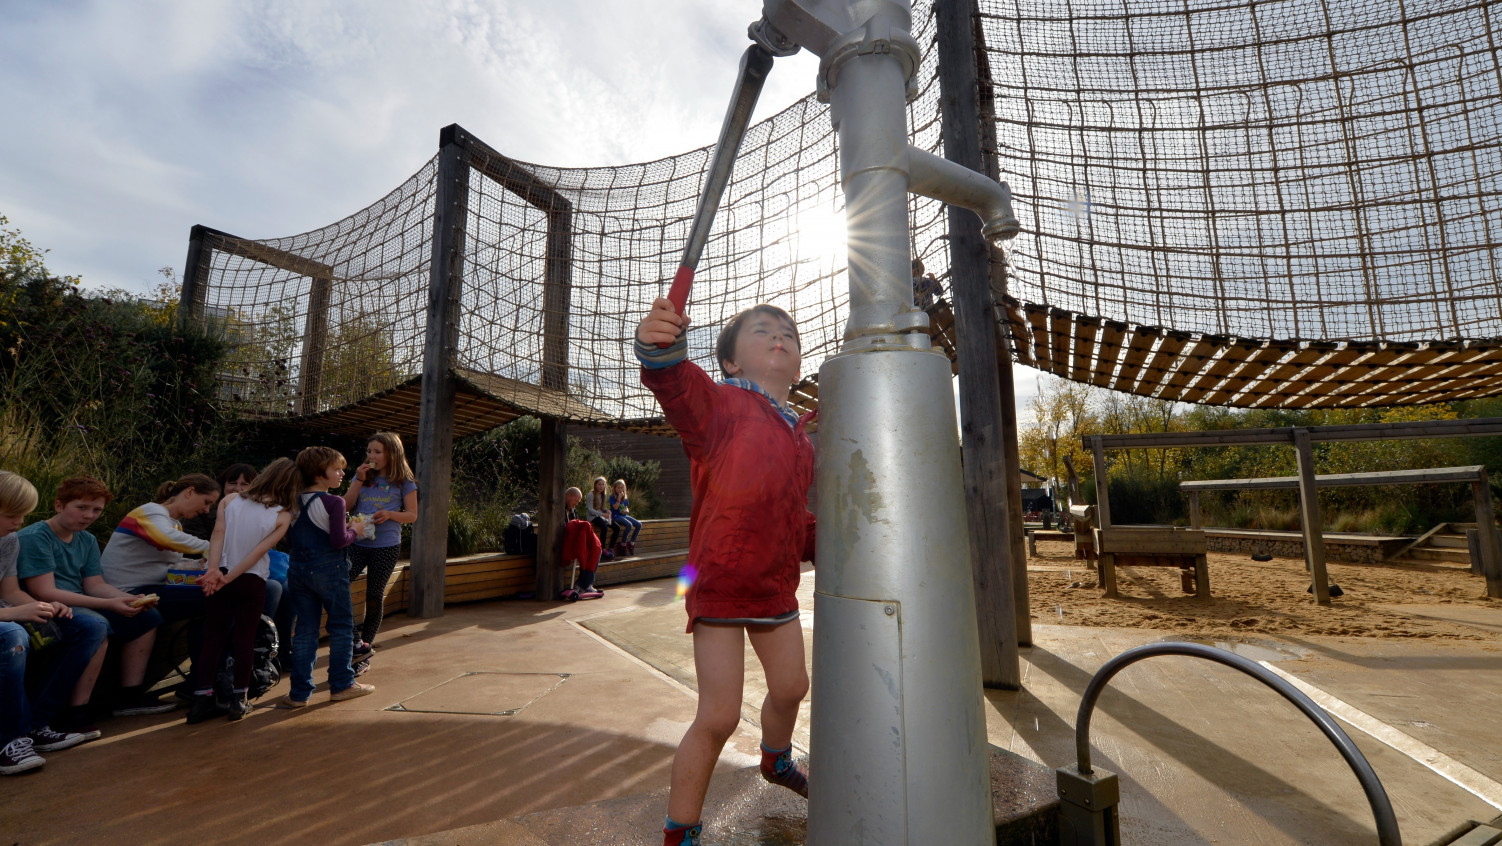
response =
{"points": [[157, 528]]}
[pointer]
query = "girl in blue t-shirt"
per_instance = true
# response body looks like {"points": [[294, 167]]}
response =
{"points": [[385, 491], [620, 514]]}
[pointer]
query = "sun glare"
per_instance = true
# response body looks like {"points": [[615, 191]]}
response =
{"points": [[821, 232]]}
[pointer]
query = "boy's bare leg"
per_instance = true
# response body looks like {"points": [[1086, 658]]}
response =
{"points": [[719, 664], [84, 687], [134, 657], [780, 649]]}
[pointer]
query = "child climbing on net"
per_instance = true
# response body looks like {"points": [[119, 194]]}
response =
{"points": [[751, 466]]}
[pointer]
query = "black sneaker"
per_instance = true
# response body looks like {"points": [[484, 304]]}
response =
{"points": [[143, 706], [361, 668], [361, 652], [18, 756], [238, 708], [45, 739], [204, 708]]}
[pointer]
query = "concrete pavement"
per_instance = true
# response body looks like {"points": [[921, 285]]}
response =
{"points": [[506, 708]]}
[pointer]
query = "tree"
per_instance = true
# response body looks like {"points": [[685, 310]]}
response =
{"points": [[1062, 413]]}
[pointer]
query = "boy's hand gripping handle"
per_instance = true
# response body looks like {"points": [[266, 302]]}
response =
{"points": [[756, 62]]}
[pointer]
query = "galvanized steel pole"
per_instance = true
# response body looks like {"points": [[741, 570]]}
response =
{"points": [[899, 750]]}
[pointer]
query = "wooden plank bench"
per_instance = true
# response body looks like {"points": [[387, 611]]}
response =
{"points": [[1035, 535], [1154, 546], [661, 550]]}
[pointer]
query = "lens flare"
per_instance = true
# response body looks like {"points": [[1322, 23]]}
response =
{"points": [[686, 578]]}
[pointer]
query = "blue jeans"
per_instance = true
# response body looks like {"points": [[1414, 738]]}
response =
{"points": [[313, 588], [82, 636], [631, 527], [15, 711]]}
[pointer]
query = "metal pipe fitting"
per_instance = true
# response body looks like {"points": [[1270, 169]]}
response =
{"points": [[947, 182], [1376, 796]]}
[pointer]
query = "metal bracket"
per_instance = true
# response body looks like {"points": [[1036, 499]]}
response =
{"points": [[771, 39], [1087, 812], [871, 39]]}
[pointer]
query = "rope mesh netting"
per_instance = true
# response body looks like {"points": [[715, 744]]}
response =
{"points": [[777, 238], [1286, 170], [1296, 169]]}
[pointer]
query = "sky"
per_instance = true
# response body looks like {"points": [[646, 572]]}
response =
{"points": [[127, 123]]}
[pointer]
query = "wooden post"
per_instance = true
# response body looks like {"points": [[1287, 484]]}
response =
{"points": [[1074, 482], [556, 290], [1314, 535], [985, 106], [1105, 561], [314, 340], [435, 422], [1486, 531], [194, 296], [1473, 546], [1102, 485], [1194, 510], [550, 507], [986, 489], [1007, 398]]}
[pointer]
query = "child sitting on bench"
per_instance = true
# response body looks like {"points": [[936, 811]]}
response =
{"points": [[579, 542]]}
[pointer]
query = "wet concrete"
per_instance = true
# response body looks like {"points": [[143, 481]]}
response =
{"points": [[1205, 755], [747, 811]]}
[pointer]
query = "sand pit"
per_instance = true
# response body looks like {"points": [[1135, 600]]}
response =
{"points": [[1251, 598]]}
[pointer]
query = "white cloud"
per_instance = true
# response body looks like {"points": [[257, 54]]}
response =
{"points": [[128, 123]]}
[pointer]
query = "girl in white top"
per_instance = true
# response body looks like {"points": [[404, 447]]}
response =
{"points": [[249, 525]]}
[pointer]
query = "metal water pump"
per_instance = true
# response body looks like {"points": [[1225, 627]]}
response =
{"points": [[899, 752]]}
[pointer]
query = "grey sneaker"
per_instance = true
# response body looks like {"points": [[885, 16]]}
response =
{"points": [[144, 706], [18, 756], [238, 708], [45, 739], [354, 691]]}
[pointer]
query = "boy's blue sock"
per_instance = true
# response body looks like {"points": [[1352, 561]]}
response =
{"points": [[680, 834], [778, 767]]}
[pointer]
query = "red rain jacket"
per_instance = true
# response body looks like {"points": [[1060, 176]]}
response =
{"points": [[750, 526]]}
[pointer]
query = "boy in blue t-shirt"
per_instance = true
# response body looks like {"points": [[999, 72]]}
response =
{"points": [[27, 719], [59, 562]]}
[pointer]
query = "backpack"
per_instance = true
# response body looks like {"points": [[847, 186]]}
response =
{"points": [[520, 536], [263, 672]]}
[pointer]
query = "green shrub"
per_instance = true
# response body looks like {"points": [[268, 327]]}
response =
{"points": [[464, 531], [641, 483], [107, 385]]}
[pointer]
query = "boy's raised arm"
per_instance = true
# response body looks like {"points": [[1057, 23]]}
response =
{"points": [[686, 393], [660, 339]]}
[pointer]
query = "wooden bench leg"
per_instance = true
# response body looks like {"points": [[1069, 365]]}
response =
{"points": [[1201, 577], [1108, 573], [1032, 544], [1186, 579]]}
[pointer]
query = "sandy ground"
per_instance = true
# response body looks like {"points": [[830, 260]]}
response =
{"points": [[1250, 598]]}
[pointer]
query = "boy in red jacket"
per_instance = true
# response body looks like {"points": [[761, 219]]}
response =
{"points": [[751, 464]]}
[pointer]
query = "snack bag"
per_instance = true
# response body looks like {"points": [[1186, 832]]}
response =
{"points": [[43, 634], [363, 527], [185, 575]]}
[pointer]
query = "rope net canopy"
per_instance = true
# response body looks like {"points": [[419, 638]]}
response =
{"points": [[1291, 203], [1269, 203]]}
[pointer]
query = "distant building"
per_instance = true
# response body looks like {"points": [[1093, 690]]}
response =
{"points": [[1035, 493]]}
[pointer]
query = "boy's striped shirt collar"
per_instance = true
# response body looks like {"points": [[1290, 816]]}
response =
{"points": [[788, 416]]}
